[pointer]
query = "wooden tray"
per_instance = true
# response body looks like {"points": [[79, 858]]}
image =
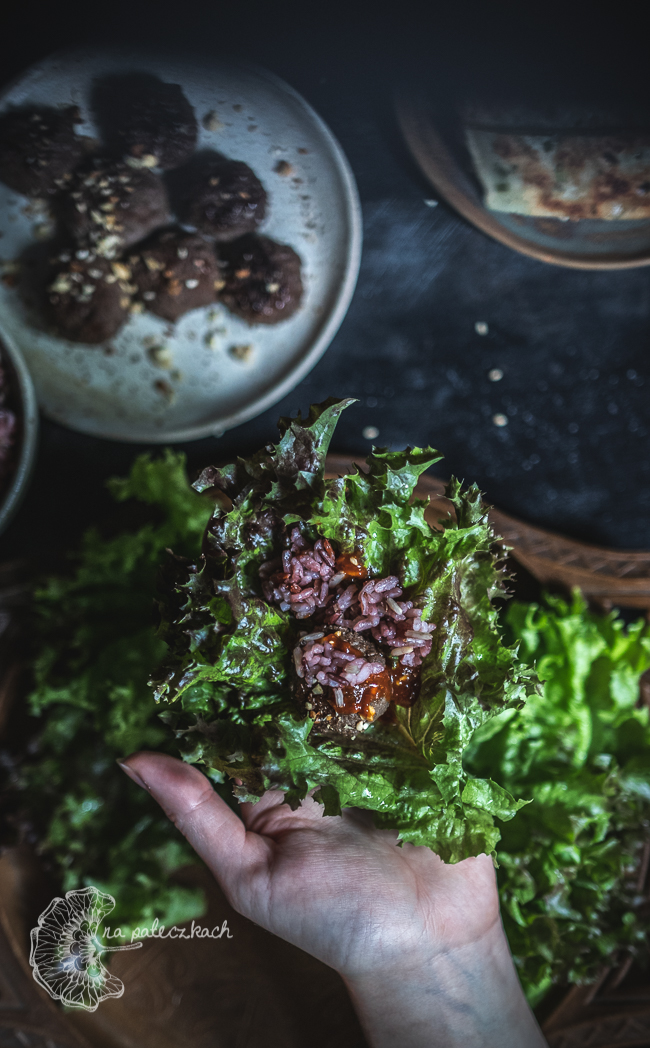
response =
{"points": [[256, 991], [587, 244]]}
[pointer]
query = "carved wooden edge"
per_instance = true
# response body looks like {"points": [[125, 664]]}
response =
{"points": [[605, 576], [614, 1031]]}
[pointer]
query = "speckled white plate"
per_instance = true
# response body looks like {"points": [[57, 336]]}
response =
{"points": [[116, 390]]}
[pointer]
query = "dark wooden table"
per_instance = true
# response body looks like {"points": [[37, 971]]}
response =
{"points": [[572, 346]]}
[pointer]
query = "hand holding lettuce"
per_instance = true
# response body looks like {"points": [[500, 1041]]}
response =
{"points": [[579, 750], [229, 679]]}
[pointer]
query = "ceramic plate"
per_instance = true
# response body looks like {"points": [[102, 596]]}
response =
{"points": [[115, 390]]}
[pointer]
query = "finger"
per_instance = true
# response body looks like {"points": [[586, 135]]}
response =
{"points": [[188, 799]]}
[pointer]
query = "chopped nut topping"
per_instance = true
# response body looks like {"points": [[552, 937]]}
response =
{"points": [[284, 168], [161, 356], [152, 264], [108, 246], [148, 160], [61, 285], [120, 270], [242, 353]]}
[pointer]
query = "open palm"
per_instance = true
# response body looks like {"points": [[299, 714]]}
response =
{"points": [[334, 886]]}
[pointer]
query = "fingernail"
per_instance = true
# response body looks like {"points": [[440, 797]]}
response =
{"points": [[132, 774]]}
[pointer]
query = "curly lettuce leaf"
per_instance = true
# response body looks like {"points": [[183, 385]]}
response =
{"points": [[226, 682], [95, 646], [580, 751]]}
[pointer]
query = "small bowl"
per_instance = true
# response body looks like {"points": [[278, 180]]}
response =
{"points": [[24, 403]]}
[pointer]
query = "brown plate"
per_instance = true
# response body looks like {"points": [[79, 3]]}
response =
{"points": [[585, 244]]}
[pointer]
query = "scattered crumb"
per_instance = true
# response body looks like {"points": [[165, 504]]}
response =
{"points": [[146, 161], [301, 149], [161, 356], [211, 121], [481, 327], [176, 375], [109, 351], [243, 353], [136, 307], [252, 127], [284, 168], [164, 389], [431, 203], [495, 375], [370, 433], [238, 107], [500, 420]]}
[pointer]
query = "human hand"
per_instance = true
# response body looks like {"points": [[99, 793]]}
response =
{"points": [[384, 917]]}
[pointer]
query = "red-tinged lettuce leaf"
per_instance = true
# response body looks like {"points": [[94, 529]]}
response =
{"points": [[227, 683]]}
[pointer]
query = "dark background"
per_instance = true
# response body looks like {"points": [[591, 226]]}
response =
{"points": [[572, 345]]}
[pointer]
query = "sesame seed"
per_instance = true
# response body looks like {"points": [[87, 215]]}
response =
{"points": [[495, 375], [481, 327], [500, 420]]}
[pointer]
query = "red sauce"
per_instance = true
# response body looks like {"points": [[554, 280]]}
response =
{"points": [[352, 565], [405, 685], [398, 685]]}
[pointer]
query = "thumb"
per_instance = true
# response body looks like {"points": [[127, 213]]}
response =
{"points": [[186, 796]]}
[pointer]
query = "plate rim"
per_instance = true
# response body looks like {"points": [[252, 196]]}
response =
{"points": [[19, 483], [346, 283], [438, 165]]}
